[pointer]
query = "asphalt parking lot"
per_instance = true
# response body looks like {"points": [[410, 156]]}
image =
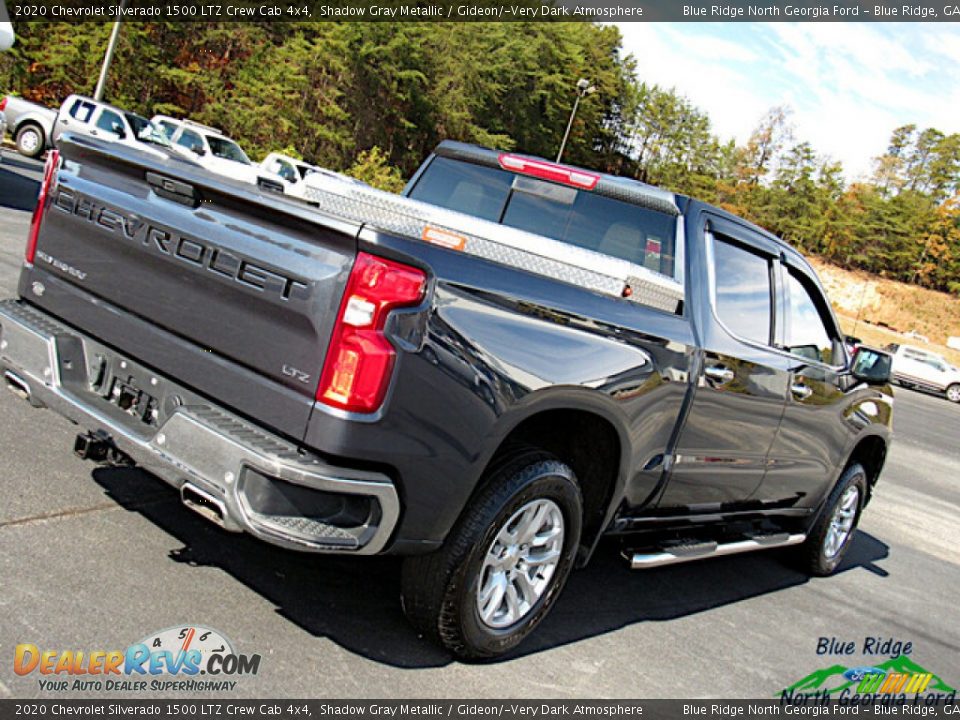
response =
{"points": [[97, 558]]}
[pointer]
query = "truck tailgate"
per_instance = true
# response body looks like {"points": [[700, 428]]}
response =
{"points": [[159, 252]]}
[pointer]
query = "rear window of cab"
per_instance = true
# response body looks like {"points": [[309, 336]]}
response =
{"points": [[577, 217]]}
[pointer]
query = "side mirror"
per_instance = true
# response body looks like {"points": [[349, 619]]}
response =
{"points": [[872, 366], [198, 151], [118, 130]]}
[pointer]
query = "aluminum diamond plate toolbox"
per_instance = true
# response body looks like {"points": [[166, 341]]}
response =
{"points": [[498, 243]]}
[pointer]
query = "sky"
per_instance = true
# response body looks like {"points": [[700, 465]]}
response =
{"points": [[849, 85]]}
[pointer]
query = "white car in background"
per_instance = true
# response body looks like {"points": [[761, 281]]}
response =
{"points": [[213, 150], [85, 116], [299, 176], [7, 37], [925, 370], [293, 172]]}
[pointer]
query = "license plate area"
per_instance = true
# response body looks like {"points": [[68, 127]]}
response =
{"points": [[127, 393]]}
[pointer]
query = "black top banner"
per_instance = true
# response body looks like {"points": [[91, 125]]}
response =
{"points": [[483, 10]]}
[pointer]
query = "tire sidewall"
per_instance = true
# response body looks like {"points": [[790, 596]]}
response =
{"points": [[24, 131], [853, 475], [553, 481]]}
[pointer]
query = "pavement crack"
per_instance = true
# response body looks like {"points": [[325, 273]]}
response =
{"points": [[74, 512]]}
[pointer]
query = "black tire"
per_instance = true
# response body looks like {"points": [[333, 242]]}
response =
{"points": [[814, 555], [953, 393], [31, 141], [440, 590]]}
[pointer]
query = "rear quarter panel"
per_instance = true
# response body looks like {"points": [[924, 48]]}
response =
{"points": [[493, 347]]}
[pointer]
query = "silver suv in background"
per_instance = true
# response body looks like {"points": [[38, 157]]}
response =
{"points": [[924, 370]]}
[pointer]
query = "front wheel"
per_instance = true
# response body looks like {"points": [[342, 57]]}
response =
{"points": [[953, 393], [830, 536], [504, 564]]}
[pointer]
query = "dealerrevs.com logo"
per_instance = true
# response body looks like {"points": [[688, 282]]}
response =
{"points": [[189, 658]]}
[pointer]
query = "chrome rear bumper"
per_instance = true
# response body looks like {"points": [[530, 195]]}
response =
{"points": [[229, 470]]}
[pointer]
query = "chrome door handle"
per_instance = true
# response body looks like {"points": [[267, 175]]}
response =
{"points": [[719, 374], [800, 391]]}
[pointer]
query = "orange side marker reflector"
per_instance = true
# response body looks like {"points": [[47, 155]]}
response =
{"points": [[444, 238]]}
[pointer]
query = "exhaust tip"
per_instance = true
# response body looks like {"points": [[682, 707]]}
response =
{"points": [[203, 504]]}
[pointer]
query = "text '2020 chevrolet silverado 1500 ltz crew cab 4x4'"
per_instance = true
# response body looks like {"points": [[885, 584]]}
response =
{"points": [[484, 375]]}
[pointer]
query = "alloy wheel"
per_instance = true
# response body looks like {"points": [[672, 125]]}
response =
{"points": [[841, 524], [520, 563]]}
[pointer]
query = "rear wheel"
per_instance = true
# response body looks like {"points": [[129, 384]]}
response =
{"points": [[953, 393], [830, 536], [504, 564], [30, 141]]}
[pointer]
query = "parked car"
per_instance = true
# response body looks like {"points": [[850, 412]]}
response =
{"points": [[30, 124], [925, 370], [298, 175], [292, 171], [214, 151], [7, 36], [914, 335], [484, 375], [85, 116]]}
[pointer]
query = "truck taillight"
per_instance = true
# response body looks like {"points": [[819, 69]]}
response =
{"points": [[3, 103], [360, 359], [53, 163], [549, 171]]}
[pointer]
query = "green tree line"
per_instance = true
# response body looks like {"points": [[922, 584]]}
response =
{"points": [[374, 98]]}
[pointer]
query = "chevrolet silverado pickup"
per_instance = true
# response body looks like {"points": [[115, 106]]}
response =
{"points": [[484, 375]]}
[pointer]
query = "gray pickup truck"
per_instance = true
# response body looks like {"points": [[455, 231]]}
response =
{"points": [[30, 124], [485, 375]]}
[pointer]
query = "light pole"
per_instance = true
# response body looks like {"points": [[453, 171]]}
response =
{"points": [[584, 88], [108, 58]]}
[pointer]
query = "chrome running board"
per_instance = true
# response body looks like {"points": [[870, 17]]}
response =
{"points": [[700, 551]]}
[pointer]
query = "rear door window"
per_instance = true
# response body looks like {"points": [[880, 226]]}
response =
{"points": [[190, 140], [743, 294], [82, 110], [168, 128]]}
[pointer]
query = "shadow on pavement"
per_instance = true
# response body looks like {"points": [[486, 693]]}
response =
{"points": [[17, 192], [355, 601]]}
